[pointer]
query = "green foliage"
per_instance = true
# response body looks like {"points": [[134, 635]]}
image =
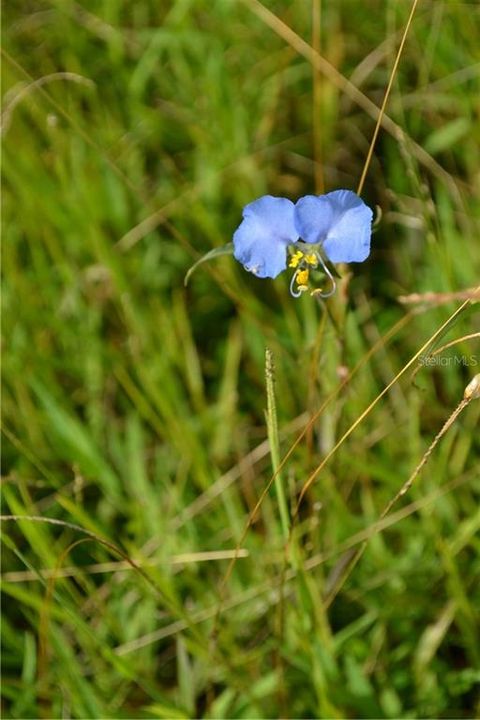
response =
{"points": [[134, 407]]}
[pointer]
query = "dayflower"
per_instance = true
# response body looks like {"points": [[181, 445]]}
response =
{"points": [[261, 241], [337, 225]]}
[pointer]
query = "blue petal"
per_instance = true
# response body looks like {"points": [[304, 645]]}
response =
{"points": [[340, 221], [260, 242]]}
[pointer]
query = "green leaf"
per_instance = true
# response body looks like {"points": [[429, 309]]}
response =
{"points": [[216, 252]]}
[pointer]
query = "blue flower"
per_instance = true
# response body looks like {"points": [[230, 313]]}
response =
{"points": [[339, 221], [337, 225], [260, 242]]}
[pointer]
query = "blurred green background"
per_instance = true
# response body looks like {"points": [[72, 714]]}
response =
{"points": [[134, 131]]}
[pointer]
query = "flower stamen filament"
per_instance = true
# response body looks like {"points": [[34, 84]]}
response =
{"points": [[302, 262], [320, 292]]}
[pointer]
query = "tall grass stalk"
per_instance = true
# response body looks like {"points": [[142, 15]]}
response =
{"points": [[272, 426]]}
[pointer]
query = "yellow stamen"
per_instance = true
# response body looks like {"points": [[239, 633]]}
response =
{"points": [[295, 259], [311, 260], [302, 277]]}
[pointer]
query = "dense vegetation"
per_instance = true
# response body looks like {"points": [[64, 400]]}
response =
{"points": [[134, 408]]}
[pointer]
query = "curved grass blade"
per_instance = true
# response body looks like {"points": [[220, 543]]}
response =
{"points": [[216, 252]]}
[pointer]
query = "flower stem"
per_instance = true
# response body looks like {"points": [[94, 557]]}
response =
{"points": [[272, 429]]}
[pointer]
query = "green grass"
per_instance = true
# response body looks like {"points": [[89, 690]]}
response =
{"points": [[135, 408]]}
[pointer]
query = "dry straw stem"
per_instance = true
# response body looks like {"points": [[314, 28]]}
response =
{"points": [[442, 348], [272, 597], [19, 94], [78, 129], [433, 298], [235, 473], [251, 518], [184, 623], [112, 547], [452, 343], [385, 99], [310, 480], [472, 392], [317, 99], [346, 86], [44, 619], [322, 66], [120, 566]]}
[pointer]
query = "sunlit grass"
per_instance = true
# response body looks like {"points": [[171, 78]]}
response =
{"points": [[134, 407]]}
